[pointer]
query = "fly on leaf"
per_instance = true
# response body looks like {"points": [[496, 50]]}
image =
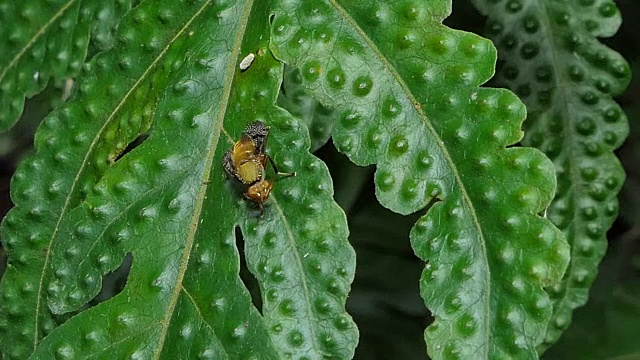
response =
{"points": [[247, 160]]}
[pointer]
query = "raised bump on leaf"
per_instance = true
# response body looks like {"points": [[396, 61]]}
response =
{"points": [[554, 61], [80, 138], [294, 98], [168, 203], [408, 100], [299, 250], [48, 39]]}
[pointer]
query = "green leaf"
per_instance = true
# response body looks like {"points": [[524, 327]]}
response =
{"points": [[44, 39], [294, 99], [553, 59], [608, 326], [175, 76], [406, 91]]}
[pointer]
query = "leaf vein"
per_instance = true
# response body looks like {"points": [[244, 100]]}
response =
{"points": [[204, 319], [296, 255], [35, 38], [193, 227], [85, 161], [447, 157], [119, 215]]}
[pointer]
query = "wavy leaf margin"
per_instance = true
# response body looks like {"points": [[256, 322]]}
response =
{"points": [[405, 88]]}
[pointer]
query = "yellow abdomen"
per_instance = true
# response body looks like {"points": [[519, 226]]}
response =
{"points": [[250, 171]]}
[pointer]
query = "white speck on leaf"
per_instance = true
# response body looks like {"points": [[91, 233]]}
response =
{"points": [[247, 61]]}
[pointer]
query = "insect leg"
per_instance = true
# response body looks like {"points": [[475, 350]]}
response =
{"points": [[275, 168]]}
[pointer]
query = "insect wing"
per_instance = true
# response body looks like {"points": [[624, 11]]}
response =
{"points": [[227, 164]]}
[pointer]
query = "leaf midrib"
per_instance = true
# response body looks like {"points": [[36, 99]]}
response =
{"points": [[195, 219], [305, 285], [296, 254], [447, 157], [85, 162], [35, 38], [567, 136]]}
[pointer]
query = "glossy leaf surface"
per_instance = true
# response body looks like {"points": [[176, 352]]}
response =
{"points": [[45, 39], [406, 91], [553, 60], [174, 76]]}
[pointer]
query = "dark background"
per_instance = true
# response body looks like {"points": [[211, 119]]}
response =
{"points": [[385, 301]]}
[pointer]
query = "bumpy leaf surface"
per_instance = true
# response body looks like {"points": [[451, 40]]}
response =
{"points": [[174, 74], [44, 39], [295, 100], [608, 326], [553, 60], [406, 91]]}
